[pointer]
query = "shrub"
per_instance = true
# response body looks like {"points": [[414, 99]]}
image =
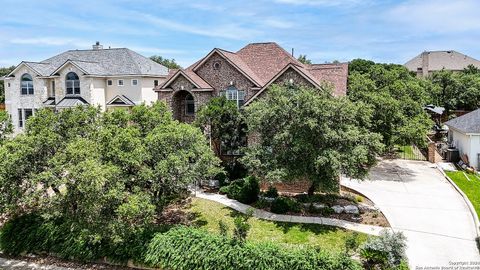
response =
{"points": [[282, 205], [189, 248], [387, 250], [243, 190], [33, 233], [272, 192]]}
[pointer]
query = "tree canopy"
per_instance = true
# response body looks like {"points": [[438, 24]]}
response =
{"points": [[4, 71], [103, 170], [396, 97], [309, 134], [169, 63], [303, 59]]}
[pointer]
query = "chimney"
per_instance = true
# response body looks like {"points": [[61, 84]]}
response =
{"points": [[97, 46], [293, 50], [425, 63]]}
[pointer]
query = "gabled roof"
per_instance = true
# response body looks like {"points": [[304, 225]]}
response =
{"points": [[101, 62], [438, 60], [467, 123], [120, 100], [263, 62], [188, 74]]}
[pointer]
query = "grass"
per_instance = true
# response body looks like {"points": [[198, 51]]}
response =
{"points": [[470, 188], [407, 152], [209, 213]]}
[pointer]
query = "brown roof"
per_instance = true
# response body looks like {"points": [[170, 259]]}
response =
{"points": [[336, 74], [261, 62], [190, 75]]}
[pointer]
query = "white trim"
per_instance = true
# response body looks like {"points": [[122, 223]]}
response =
{"points": [[64, 64], [289, 65], [123, 82], [216, 50], [136, 80]]}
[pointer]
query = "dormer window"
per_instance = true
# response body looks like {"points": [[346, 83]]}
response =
{"points": [[72, 84], [27, 84]]}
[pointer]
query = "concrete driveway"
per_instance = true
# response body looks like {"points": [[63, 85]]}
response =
{"points": [[417, 200]]}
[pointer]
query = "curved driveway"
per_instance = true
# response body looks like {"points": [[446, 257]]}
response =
{"points": [[417, 200]]}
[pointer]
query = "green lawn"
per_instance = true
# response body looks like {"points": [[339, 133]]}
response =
{"points": [[470, 188], [209, 213], [407, 152]]}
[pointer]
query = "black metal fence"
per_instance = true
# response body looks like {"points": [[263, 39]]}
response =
{"points": [[411, 152]]}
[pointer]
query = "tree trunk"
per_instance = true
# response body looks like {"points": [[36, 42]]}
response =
{"points": [[311, 189]]}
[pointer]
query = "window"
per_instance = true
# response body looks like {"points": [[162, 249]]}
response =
{"points": [[109, 82], [134, 82], [120, 82], [8, 84], [20, 118], [216, 65], [234, 94], [189, 105], [155, 83], [72, 84], [27, 84], [53, 88], [23, 115]]}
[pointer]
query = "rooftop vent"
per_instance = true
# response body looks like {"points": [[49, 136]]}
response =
{"points": [[97, 46]]}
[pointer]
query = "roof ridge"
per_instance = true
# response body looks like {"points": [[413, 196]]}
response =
{"points": [[139, 69]]}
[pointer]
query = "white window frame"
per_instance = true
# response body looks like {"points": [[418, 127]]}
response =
{"points": [[136, 82], [109, 82], [120, 80], [30, 89], [236, 95], [22, 119], [73, 84]]}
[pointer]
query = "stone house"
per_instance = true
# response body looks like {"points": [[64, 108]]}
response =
{"points": [[428, 62], [243, 76], [109, 78]]}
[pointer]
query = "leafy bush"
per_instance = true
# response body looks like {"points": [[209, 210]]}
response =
{"points": [[282, 205], [328, 199], [189, 248], [387, 250], [272, 192], [33, 233], [243, 190]]}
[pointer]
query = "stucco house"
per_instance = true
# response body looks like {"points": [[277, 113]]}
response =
{"points": [[428, 62], [243, 76], [110, 78], [464, 134]]}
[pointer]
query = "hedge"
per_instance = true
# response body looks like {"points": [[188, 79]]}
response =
{"points": [[189, 248]]}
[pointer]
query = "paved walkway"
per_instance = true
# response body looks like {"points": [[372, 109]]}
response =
{"points": [[261, 214], [417, 200], [10, 264]]}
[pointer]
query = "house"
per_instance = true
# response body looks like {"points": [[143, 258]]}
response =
{"points": [[464, 134], [428, 62], [243, 76], [110, 78]]}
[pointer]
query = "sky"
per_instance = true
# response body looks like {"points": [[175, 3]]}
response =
{"points": [[186, 30]]}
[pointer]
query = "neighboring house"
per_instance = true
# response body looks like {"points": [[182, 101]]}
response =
{"points": [[464, 134], [428, 62], [109, 78], [243, 76]]}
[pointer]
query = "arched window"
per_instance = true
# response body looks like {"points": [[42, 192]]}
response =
{"points": [[72, 84], [27, 84], [189, 105]]}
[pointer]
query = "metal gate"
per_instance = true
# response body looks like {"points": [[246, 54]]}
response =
{"points": [[411, 152]]}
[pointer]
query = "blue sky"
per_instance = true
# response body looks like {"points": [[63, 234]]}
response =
{"points": [[324, 30]]}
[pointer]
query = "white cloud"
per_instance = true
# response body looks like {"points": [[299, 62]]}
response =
{"points": [[229, 31], [437, 16], [276, 23], [328, 3], [51, 41]]}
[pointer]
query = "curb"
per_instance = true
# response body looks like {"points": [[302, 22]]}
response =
{"points": [[465, 198]]}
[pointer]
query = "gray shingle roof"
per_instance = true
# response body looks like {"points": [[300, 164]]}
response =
{"points": [[68, 102], [102, 62], [467, 123]]}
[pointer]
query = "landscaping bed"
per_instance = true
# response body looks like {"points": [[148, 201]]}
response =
{"points": [[347, 205]]}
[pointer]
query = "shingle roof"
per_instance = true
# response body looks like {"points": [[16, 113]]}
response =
{"points": [[467, 123], [189, 75], [438, 60], [263, 61], [102, 62]]}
